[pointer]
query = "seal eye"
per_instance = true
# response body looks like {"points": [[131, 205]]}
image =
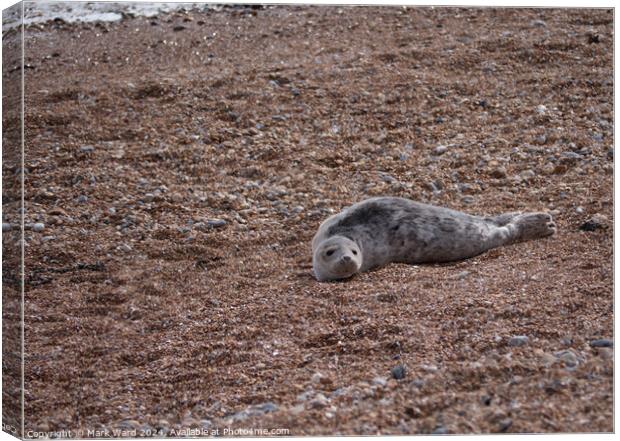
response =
{"points": [[354, 252], [329, 253]]}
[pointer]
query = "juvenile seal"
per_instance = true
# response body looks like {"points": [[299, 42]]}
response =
{"points": [[381, 230]]}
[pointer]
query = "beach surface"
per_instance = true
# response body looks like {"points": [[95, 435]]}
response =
{"points": [[177, 166]]}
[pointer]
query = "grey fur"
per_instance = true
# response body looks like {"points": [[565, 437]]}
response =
{"points": [[381, 230]]}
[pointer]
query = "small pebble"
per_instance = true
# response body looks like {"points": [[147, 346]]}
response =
{"points": [[6, 226], [568, 357], [296, 410], [440, 150], [317, 377], [265, 407], [518, 340], [305, 396], [528, 174], [505, 424], [440, 430], [499, 173], [461, 275], [38, 227], [572, 156], [602, 343], [124, 247], [216, 223], [379, 381], [82, 199], [398, 372], [87, 149], [418, 383], [596, 222], [318, 402]]}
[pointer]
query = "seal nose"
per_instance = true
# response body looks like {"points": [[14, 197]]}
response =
{"points": [[346, 259]]}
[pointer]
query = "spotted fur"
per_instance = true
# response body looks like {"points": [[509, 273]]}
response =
{"points": [[390, 229]]}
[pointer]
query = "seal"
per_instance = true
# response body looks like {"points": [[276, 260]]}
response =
{"points": [[380, 230]]}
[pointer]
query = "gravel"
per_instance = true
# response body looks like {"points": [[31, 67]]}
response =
{"points": [[518, 340], [240, 296]]}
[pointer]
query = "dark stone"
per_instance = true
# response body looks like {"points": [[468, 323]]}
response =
{"points": [[594, 223], [602, 343], [399, 372]]}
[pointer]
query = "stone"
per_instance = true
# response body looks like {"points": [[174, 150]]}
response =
{"points": [[602, 343], [499, 173], [596, 222], [440, 150], [317, 377], [461, 275], [265, 407], [318, 402], [399, 372], [296, 410], [305, 396], [6, 226], [527, 174], [87, 149], [38, 227], [440, 430], [568, 357], [216, 223], [518, 340], [82, 199], [571, 156], [505, 424], [379, 381]]}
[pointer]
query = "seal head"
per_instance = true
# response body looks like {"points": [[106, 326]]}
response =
{"points": [[336, 258]]}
